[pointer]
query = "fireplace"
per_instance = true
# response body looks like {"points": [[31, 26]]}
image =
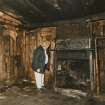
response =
{"points": [[72, 64]]}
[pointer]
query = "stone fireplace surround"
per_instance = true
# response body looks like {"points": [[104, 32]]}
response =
{"points": [[72, 64]]}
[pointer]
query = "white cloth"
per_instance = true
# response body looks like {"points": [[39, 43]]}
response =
{"points": [[39, 77], [46, 56]]}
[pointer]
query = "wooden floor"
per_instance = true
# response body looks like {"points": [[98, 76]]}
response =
{"points": [[30, 96]]}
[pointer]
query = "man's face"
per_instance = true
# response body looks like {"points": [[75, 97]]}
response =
{"points": [[46, 44]]}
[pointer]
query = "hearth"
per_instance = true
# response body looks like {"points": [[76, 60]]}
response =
{"points": [[72, 64]]}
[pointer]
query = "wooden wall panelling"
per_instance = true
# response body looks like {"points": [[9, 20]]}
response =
{"points": [[28, 44], [27, 55], [33, 44], [18, 56], [12, 76], [6, 48], [72, 30], [101, 63], [24, 53], [9, 47], [52, 54], [2, 66], [21, 48], [99, 36]]}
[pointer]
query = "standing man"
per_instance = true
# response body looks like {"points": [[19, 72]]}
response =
{"points": [[39, 63]]}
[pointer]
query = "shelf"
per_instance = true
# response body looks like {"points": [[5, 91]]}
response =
{"points": [[87, 49]]}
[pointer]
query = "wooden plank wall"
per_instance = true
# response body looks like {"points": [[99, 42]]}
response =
{"points": [[98, 31], [8, 47], [2, 72], [16, 52], [72, 30], [29, 41]]}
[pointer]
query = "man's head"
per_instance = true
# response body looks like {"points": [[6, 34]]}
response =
{"points": [[45, 44]]}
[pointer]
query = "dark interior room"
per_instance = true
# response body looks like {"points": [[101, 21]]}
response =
{"points": [[52, 52]]}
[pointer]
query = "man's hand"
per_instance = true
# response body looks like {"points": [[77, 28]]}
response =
{"points": [[38, 70]]}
